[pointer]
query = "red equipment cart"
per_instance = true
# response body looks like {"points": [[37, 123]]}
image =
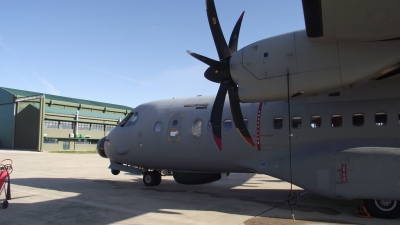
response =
{"points": [[5, 171]]}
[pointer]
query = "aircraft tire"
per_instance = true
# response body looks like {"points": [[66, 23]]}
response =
{"points": [[164, 172], [151, 178], [157, 176], [385, 209], [4, 205], [115, 172]]}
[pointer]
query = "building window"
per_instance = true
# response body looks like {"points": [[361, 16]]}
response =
{"points": [[380, 119], [296, 122], [358, 119], [315, 121], [50, 141], [227, 124], [196, 128], [97, 127], [278, 122], [82, 142], [157, 127], [66, 125], [51, 124], [83, 126], [109, 127], [65, 145], [336, 120]]}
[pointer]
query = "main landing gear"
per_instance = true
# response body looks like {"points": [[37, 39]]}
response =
{"points": [[151, 178], [386, 209]]}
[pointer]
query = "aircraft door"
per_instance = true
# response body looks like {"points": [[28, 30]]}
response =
{"points": [[174, 127]]}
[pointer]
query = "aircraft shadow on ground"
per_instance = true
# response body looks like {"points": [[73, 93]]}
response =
{"points": [[108, 201]]}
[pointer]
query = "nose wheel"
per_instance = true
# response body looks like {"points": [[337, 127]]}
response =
{"points": [[151, 178]]}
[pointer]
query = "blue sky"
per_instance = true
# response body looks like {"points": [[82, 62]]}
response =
{"points": [[125, 52]]}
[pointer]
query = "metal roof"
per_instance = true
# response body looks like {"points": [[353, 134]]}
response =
{"points": [[86, 113], [16, 92]]}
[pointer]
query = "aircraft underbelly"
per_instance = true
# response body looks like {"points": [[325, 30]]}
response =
{"points": [[357, 176]]}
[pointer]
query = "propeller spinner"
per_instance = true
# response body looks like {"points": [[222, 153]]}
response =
{"points": [[219, 72]]}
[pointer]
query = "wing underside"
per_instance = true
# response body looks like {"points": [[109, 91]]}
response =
{"points": [[352, 20]]}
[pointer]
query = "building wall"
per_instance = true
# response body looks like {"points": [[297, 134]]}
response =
{"points": [[27, 128], [20, 122], [7, 120]]}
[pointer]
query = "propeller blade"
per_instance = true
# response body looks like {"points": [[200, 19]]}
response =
{"points": [[214, 75], [216, 113], [233, 41], [238, 116], [211, 62], [219, 40]]}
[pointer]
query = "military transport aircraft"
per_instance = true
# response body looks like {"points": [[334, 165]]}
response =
{"points": [[319, 108]]}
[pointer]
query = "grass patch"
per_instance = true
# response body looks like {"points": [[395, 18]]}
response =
{"points": [[73, 152]]}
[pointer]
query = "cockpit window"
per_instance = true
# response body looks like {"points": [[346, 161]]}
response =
{"points": [[129, 120], [133, 119], [126, 119]]}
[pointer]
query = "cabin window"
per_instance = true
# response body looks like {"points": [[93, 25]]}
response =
{"points": [[227, 124], [296, 122], [246, 122], [380, 119], [278, 122], [196, 128], [336, 120], [209, 125], [315, 121], [358, 119], [157, 127]]}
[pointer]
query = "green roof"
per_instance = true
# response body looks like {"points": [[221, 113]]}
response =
{"points": [[86, 113], [16, 92]]}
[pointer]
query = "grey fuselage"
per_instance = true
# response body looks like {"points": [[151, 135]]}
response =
{"points": [[357, 158]]}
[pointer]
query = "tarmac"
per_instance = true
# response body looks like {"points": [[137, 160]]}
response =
{"points": [[61, 188]]}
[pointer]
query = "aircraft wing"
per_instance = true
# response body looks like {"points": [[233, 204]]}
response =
{"points": [[352, 20]]}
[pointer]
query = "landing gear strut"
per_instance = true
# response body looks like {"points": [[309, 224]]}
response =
{"points": [[380, 208], [151, 178]]}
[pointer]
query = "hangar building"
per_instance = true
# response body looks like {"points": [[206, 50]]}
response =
{"points": [[44, 122]]}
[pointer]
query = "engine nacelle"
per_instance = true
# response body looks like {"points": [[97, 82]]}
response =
{"points": [[195, 178], [264, 69]]}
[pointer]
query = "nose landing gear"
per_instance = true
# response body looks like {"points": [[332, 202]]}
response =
{"points": [[151, 178]]}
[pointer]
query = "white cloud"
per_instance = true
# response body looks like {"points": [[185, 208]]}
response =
{"points": [[116, 75], [49, 87]]}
